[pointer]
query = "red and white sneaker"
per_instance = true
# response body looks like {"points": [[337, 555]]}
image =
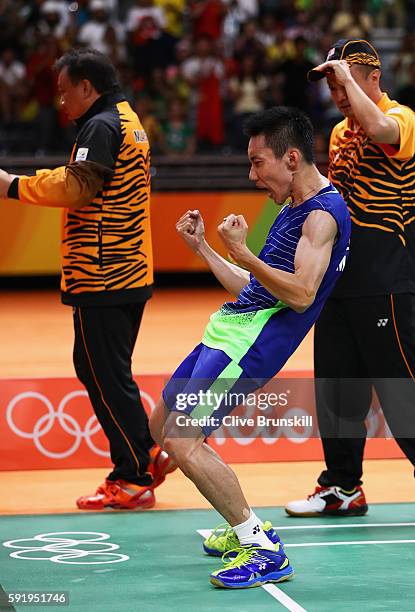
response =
{"points": [[118, 495], [331, 501], [160, 465]]}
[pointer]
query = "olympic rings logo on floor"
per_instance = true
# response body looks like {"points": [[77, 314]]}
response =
{"points": [[66, 421], [66, 547]]}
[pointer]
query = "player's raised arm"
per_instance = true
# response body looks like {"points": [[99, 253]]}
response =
{"points": [[191, 228], [312, 258]]}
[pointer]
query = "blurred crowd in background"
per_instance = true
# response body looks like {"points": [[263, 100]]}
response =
{"points": [[192, 69]]}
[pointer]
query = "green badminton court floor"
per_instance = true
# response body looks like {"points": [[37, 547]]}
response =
{"points": [[153, 562]]}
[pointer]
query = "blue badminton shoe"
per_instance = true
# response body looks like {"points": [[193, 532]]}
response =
{"points": [[253, 566]]}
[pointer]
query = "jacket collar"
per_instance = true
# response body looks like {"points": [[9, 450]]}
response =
{"points": [[105, 100]]}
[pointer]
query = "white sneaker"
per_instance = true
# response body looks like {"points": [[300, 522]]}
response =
{"points": [[329, 500]]}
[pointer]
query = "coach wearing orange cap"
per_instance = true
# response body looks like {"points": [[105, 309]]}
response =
{"points": [[366, 331]]}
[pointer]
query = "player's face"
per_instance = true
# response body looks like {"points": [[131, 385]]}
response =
{"points": [[73, 97], [268, 172]]}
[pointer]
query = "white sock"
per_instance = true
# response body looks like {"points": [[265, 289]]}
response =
{"points": [[251, 532]]}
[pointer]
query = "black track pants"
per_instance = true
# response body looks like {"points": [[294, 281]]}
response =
{"points": [[360, 342], [104, 342]]}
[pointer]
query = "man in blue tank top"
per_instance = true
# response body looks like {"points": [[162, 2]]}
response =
{"points": [[279, 295]]}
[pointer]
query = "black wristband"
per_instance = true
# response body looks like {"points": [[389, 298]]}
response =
{"points": [[13, 191]]}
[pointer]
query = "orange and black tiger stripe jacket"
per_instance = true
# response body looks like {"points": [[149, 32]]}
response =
{"points": [[105, 190], [377, 182]]}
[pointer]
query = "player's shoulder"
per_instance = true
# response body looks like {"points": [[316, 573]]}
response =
{"points": [[329, 200]]}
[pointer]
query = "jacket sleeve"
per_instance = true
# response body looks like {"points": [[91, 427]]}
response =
{"points": [[71, 186], [76, 184]]}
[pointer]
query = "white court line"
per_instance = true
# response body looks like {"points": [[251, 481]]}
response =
{"points": [[349, 543], [205, 533], [283, 598], [348, 526]]}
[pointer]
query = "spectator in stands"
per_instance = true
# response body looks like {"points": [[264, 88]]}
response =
{"points": [[247, 9], [177, 133], [232, 24], [55, 20], [177, 84], [174, 12], [145, 25], [12, 75], [80, 14], [247, 91], [144, 109], [295, 70], [276, 7], [158, 89], [267, 31], [207, 18], [237, 12], [102, 33], [42, 78], [403, 60], [352, 21], [204, 73], [278, 48], [154, 40], [10, 23], [410, 15], [406, 94], [273, 95], [248, 42]]}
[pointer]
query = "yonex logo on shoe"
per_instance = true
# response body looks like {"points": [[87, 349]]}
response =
{"points": [[382, 322]]}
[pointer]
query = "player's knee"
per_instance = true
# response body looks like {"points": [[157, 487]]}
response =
{"points": [[180, 450]]}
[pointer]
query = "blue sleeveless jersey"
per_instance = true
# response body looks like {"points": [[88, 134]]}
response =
{"points": [[259, 332]]}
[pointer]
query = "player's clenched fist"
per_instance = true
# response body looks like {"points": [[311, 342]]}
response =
{"points": [[191, 228], [233, 231]]}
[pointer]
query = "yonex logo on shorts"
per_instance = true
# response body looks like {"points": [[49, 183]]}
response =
{"points": [[382, 322]]}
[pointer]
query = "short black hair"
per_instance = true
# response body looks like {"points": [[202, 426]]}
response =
{"points": [[283, 127], [91, 65], [364, 70]]}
